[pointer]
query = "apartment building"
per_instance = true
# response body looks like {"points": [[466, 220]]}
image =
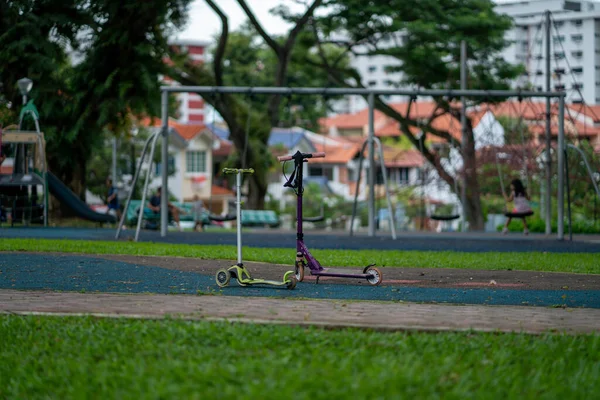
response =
{"points": [[575, 52]]}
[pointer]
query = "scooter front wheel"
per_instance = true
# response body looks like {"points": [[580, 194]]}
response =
{"points": [[299, 271], [292, 282], [222, 277], [375, 276], [290, 279]]}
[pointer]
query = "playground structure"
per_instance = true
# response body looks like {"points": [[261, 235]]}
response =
{"points": [[30, 170], [370, 95]]}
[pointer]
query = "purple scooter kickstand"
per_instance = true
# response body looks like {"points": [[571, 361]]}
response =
{"points": [[303, 256]]}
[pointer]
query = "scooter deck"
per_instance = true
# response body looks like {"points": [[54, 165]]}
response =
{"points": [[263, 282], [340, 273]]}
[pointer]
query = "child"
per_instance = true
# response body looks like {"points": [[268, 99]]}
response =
{"points": [[521, 204], [112, 200], [198, 213]]}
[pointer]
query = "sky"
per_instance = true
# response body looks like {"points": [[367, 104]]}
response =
{"points": [[203, 23]]}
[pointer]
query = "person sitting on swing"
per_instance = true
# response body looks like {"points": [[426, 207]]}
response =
{"points": [[521, 199]]}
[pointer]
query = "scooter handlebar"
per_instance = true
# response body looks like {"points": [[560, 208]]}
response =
{"points": [[236, 170], [319, 154]]}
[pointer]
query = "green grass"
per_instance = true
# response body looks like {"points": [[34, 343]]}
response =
{"points": [[534, 261], [77, 358]]}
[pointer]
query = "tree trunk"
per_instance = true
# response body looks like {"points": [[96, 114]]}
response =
{"points": [[257, 191], [473, 208]]}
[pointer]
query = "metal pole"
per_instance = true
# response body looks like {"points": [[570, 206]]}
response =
{"points": [[145, 189], [463, 124], [360, 165], [354, 91], [164, 202], [114, 161], [371, 179], [561, 168], [133, 183], [238, 196], [568, 195], [548, 194], [387, 190]]}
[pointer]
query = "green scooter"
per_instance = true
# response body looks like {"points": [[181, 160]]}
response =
{"points": [[239, 271]]}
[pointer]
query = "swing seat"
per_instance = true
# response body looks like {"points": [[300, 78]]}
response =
{"points": [[222, 218], [313, 219], [519, 214], [444, 217]]}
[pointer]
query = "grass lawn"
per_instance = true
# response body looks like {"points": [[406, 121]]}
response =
{"points": [[86, 357], [534, 261]]}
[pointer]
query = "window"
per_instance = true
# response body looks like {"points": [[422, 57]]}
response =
{"points": [[577, 86], [195, 161], [559, 87], [559, 55], [321, 171], [372, 68], [400, 176], [539, 72], [577, 54], [540, 89], [577, 22], [372, 83], [559, 71], [539, 57], [158, 166], [558, 24], [577, 38], [577, 70], [558, 39]]}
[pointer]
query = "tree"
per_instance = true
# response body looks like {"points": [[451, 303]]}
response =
{"points": [[234, 109], [119, 47], [424, 37]]}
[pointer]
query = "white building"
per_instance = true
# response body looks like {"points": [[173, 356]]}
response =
{"points": [[574, 45], [575, 51]]}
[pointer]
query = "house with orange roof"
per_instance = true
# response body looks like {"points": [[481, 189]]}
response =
{"points": [[194, 152]]}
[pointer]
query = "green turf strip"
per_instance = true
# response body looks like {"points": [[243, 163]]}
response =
{"points": [[86, 357], [534, 261]]}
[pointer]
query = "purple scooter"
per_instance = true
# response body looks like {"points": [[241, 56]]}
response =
{"points": [[303, 257]]}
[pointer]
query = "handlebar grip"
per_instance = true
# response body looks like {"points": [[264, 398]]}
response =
{"points": [[319, 154], [236, 170]]}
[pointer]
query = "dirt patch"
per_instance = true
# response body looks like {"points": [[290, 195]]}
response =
{"points": [[396, 276]]}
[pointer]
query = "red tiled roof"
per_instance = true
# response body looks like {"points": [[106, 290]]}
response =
{"points": [[186, 131], [221, 191], [400, 158], [336, 154]]}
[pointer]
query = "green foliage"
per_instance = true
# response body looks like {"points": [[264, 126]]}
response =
{"points": [[87, 357], [118, 49], [428, 55], [516, 131]]}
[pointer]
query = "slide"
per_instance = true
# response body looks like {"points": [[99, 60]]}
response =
{"points": [[66, 196]]}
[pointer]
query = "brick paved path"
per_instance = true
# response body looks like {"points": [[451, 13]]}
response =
{"points": [[364, 314]]}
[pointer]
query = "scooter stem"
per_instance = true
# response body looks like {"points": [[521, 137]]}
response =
{"points": [[238, 205]]}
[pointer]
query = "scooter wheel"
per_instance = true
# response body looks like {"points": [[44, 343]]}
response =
{"points": [[222, 277], [299, 270], [375, 276], [292, 283]]}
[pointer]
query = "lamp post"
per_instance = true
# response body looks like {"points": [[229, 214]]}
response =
{"points": [[25, 85]]}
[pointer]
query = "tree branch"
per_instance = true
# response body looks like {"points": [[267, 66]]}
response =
{"points": [[289, 43], [220, 52], [268, 39]]}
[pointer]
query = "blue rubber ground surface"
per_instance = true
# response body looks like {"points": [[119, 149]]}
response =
{"points": [[467, 242], [76, 273]]}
